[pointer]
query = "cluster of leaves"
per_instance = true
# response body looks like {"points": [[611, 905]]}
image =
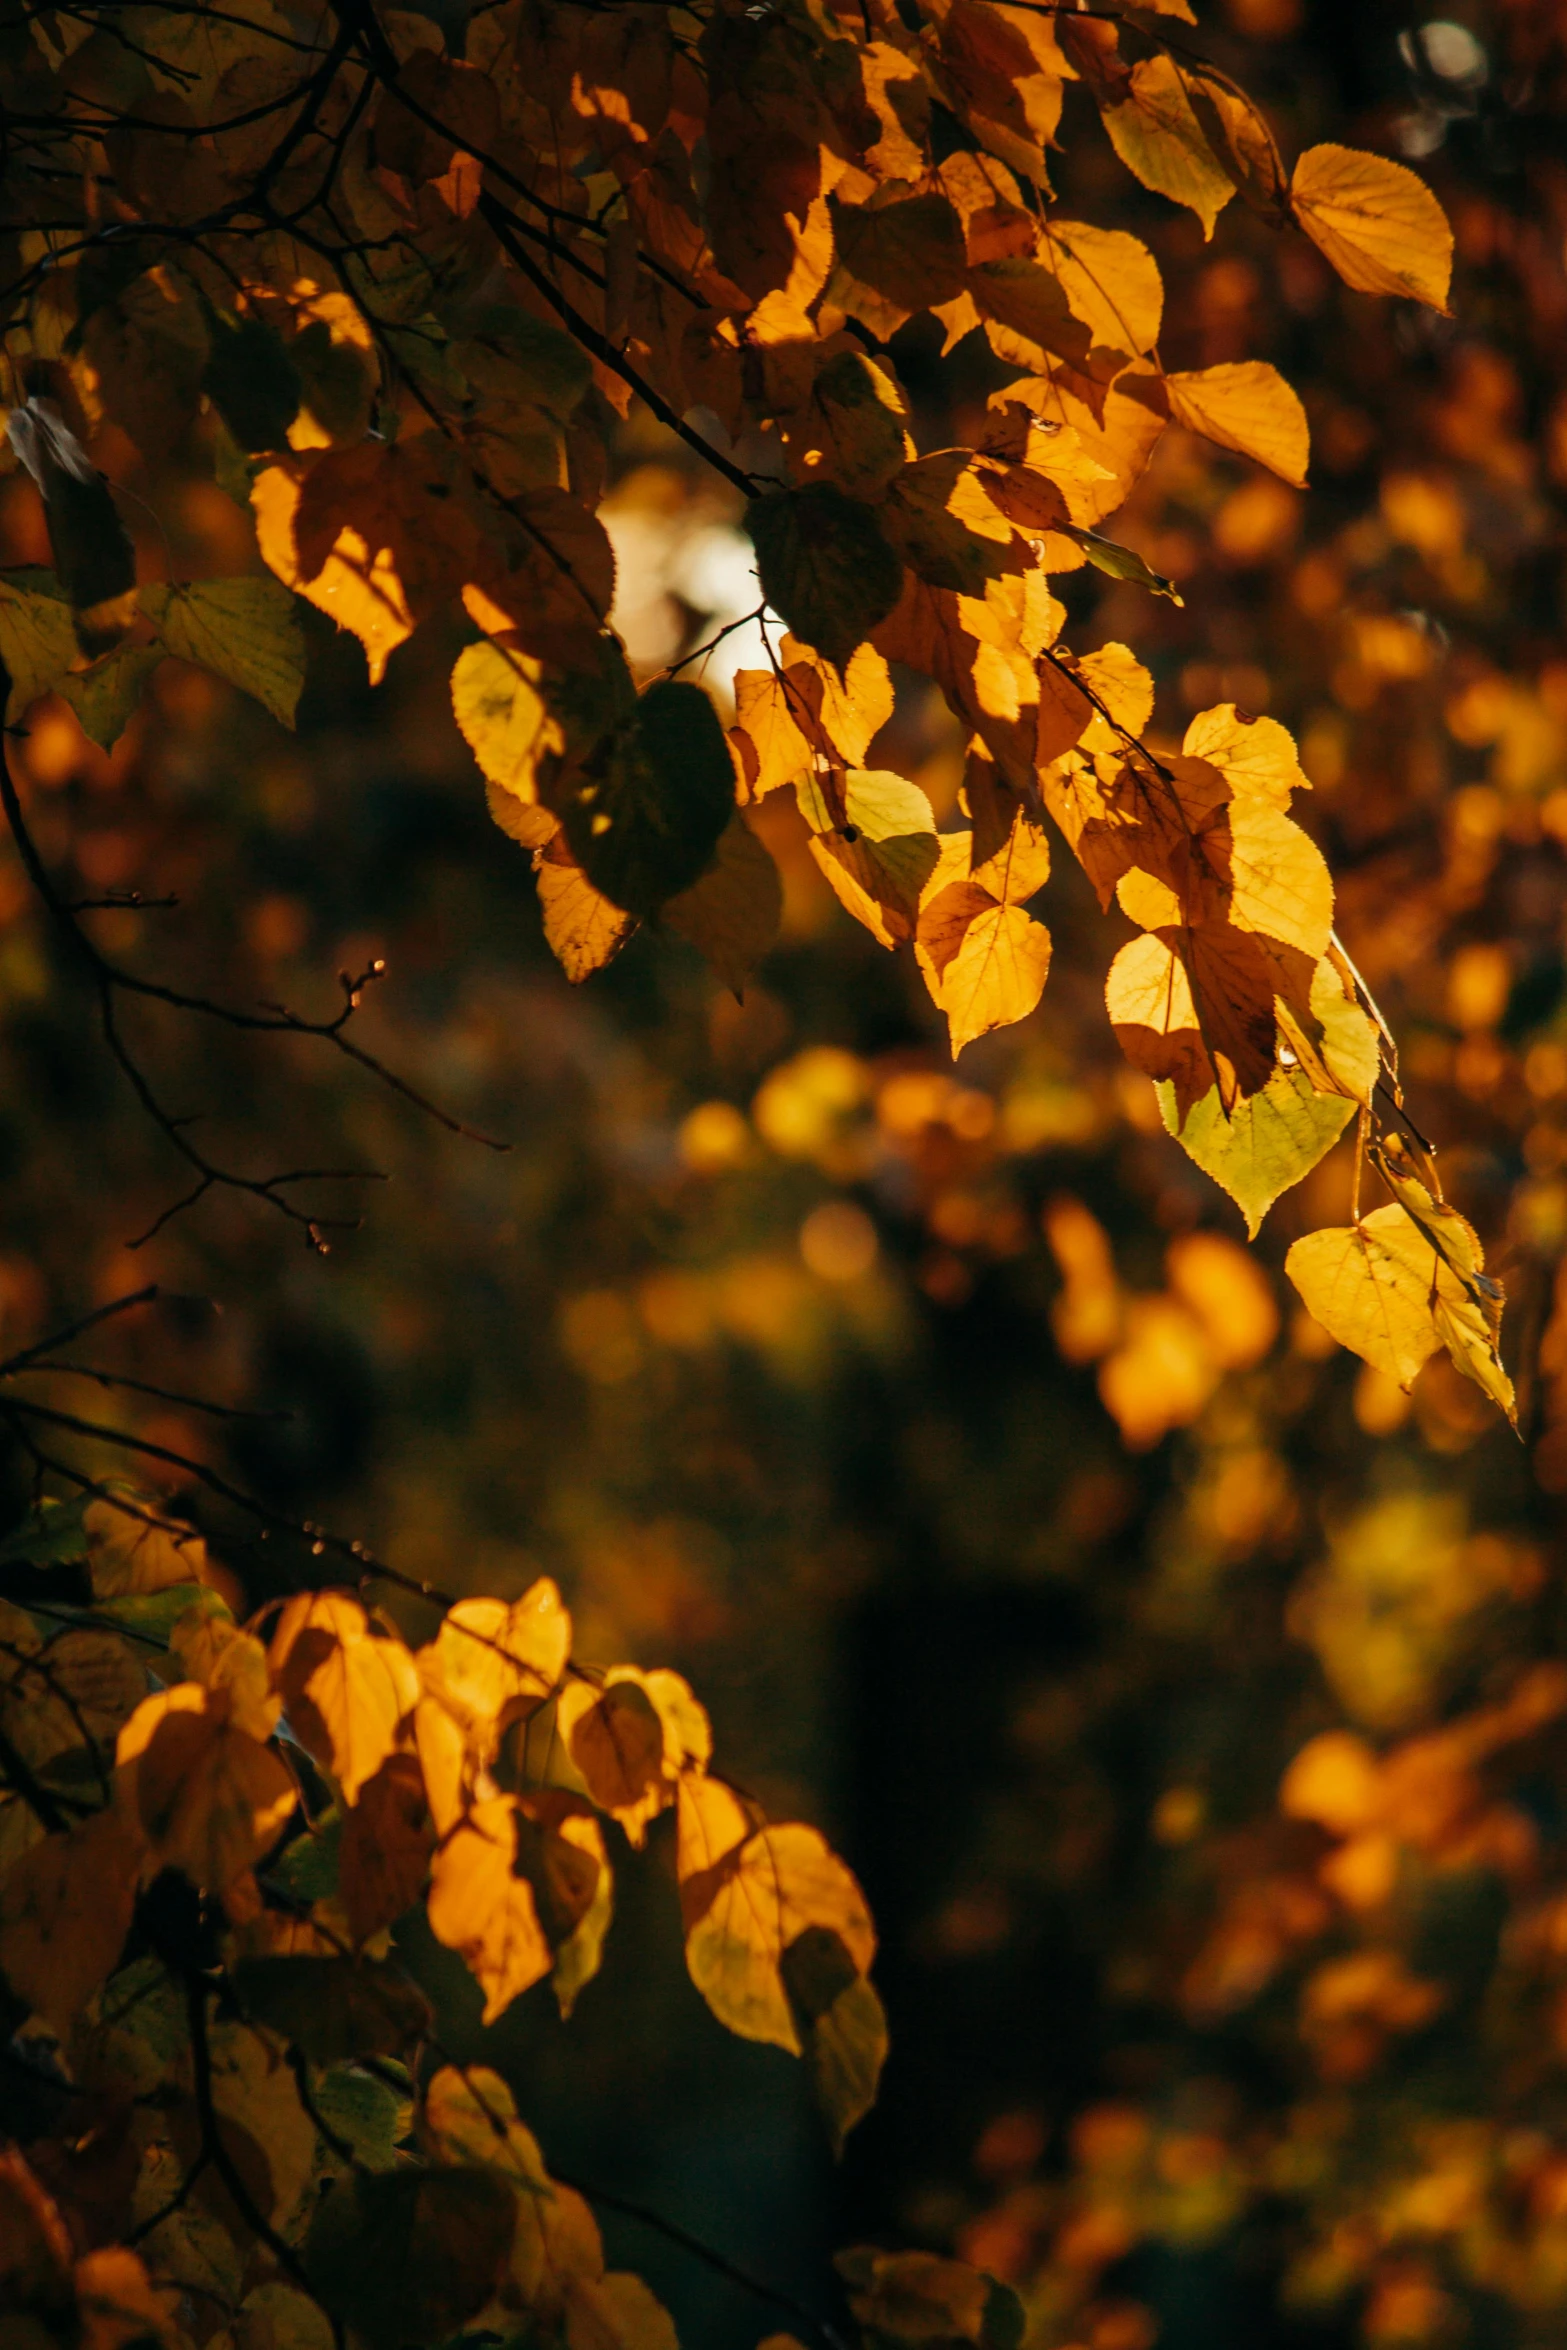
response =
{"points": [[408, 289], [205, 1841]]}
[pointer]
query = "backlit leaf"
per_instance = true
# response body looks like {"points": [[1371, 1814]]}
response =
{"points": [[481, 1907], [346, 1690], [1379, 225], [1245, 405], [204, 1796], [1156, 134], [245, 630]]}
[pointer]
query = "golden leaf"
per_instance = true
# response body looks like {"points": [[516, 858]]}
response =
{"points": [[996, 973], [1245, 405], [1111, 280], [1160, 140], [480, 1907], [346, 1690], [744, 1903], [731, 915], [1383, 1290], [585, 931], [127, 1555], [200, 1794], [873, 835], [1379, 225], [1256, 756], [632, 1739], [502, 715], [355, 585], [495, 1664]]}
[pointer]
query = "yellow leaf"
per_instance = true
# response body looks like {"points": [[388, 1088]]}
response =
{"points": [[220, 1656], [355, 586], [346, 1691], [202, 1794], [769, 745], [997, 975], [632, 1739], [128, 1556], [495, 1664], [585, 931], [1280, 883], [874, 836], [1256, 755], [469, 2115], [502, 714], [1111, 280], [479, 1906], [65, 1910], [744, 1908], [1245, 405], [1379, 225], [1160, 140], [1381, 1289], [1125, 688], [1020, 867]]}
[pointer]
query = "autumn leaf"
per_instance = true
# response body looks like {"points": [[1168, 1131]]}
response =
{"points": [[746, 1895], [1380, 226], [495, 1664], [632, 1739], [1383, 1290], [200, 1794], [65, 1910], [346, 1688], [1245, 405], [411, 2252], [388, 1838], [1158, 137], [481, 1907], [731, 915], [824, 565], [644, 808]]}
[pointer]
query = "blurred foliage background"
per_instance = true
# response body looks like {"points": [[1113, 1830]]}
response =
{"points": [[1192, 1704]]}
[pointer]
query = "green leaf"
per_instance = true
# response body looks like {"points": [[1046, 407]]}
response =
{"points": [[644, 809], [824, 565], [246, 630], [1119, 562], [51, 1535], [105, 696], [1267, 1143], [308, 1868], [334, 2008], [154, 1614], [731, 914], [1005, 2321], [251, 381], [365, 2111], [37, 641], [410, 2255]]}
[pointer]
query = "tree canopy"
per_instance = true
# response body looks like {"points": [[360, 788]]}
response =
{"points": [[392, 290]]}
